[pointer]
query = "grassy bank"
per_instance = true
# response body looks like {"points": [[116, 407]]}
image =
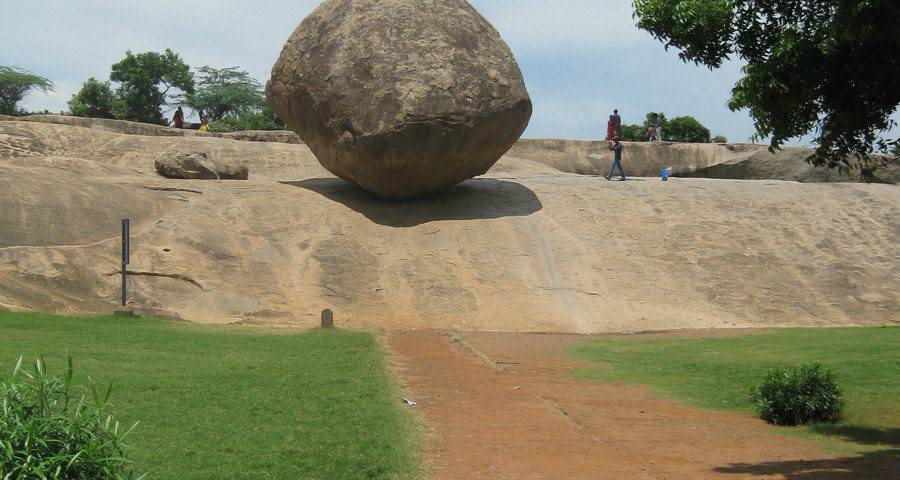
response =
{"points": [[228, 403], [718, 373]]}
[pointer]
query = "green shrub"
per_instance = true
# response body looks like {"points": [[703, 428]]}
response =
{"points": [[262, 119], [686, 129], [809, 393], [633, 133], [719, 139], [50, 431], [95, 100]]}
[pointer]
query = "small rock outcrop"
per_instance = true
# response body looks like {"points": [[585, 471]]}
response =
{"points": [[402, 97], [199, 165], [274, 136]]}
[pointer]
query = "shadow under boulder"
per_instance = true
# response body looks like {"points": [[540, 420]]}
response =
{"points": [[478, 198]]}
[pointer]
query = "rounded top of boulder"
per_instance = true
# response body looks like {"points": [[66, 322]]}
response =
{"points": [[402, 97]]}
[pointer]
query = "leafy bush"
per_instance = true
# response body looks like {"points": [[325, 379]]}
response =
{"points": [[263, 119], [47, 431], [140, 78], [220, 92], [15, 84], [95, 100], [685, 129], [719, 139], [633, 133], [809, 393]]}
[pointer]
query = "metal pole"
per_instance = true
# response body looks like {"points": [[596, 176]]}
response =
{"points": [[126, 254]]}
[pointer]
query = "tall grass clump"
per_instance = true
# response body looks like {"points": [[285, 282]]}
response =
{"points": [[806, 394], [51, 430]]}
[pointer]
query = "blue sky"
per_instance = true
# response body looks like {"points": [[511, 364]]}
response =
{"points": [[580, 58]]}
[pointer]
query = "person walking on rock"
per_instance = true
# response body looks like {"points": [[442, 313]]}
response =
{"points": [[617, 159]]}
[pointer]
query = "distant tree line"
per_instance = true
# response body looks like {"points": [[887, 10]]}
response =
{"points": [[142, 86], [684, 129]]}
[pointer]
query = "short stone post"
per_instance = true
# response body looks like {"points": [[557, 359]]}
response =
{"points": [[327, 318]]}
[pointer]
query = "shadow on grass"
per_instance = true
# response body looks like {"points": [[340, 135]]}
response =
{"points": [[860, 434], [871, 466], [478, 198]]}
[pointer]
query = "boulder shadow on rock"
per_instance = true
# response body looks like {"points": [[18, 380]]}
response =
{"points": [[477, 198]]}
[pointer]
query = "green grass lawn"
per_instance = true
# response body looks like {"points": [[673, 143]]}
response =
{"points": [[231, 403], [718, 373]]}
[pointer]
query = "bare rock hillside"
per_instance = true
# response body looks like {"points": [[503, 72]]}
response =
{"points": [[526, 247]]}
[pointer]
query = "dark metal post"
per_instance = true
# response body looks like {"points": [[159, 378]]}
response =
{"points": [[126, 257]]}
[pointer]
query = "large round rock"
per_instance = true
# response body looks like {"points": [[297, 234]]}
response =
{"points": [[403, 97]]}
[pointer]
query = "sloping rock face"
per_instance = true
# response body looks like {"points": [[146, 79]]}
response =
{"points": [[199, 166], [527, 247], [402, 97]]}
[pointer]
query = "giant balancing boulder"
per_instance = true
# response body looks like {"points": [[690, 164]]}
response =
{"points": [[402, 97]]}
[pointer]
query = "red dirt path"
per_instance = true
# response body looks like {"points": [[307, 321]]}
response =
{"points": [[505, 406]]}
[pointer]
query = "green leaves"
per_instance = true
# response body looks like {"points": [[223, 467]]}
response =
{"points": [[15, 83], [263, 119], [830, 68], [95, 100], [806, 394], [42, 437], [701, 29], [225, 91], [686, 129], [141, 76], [633, 133]]}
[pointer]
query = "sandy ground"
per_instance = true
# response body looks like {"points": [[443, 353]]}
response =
{"points": [[525, 248], [505, 406]]}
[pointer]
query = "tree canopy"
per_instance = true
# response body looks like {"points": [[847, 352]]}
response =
{"points": [[632, 133], [15, 84], [650, 120], [827, 67], [686, 129], [146, 80], [224, 91], [95, 99]]}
